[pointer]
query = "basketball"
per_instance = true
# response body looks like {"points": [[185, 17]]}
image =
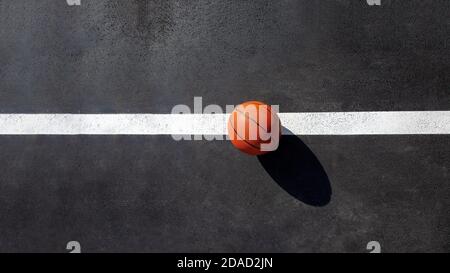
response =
{"points": [[254, 128]]}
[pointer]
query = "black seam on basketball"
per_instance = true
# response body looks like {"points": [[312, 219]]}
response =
{"points": [[253, 119], [243, 139], [257, 148]]}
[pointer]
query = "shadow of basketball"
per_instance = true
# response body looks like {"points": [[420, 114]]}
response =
{"points": [[297, 170]]}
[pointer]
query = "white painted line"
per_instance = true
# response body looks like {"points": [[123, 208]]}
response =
{"points": [[112, 124], [322, 123], [368, 123]]}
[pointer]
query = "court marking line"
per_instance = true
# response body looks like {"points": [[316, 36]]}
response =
{"points": [[308, 123]]}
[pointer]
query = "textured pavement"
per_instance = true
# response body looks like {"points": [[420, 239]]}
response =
{"points": [[151, 193]]}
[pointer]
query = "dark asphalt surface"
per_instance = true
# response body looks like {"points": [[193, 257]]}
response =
{"points": [[150, 193]]}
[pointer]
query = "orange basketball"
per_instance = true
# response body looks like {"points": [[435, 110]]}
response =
{"points": [[253, 124]]}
